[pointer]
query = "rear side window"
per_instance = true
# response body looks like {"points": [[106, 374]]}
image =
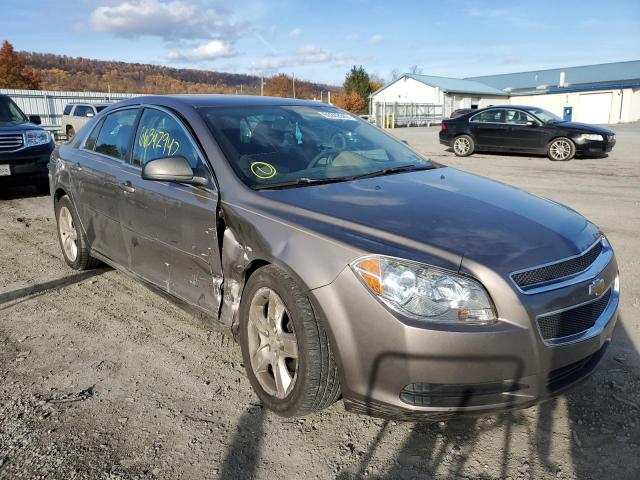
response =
{"points": [[161, 135], [489, 116], [83, 111], [67, 109], [90, 142], [115, 134]]}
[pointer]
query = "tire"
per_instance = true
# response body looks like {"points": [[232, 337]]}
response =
{"points": [[561, 149], [69, 232], [463, 145], [312, 373], [71, 132]]}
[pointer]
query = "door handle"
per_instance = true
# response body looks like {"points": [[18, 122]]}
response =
{"points": [[127, 187]]}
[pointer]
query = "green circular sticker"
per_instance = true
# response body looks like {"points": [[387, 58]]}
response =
{"points": [[263, 170]]}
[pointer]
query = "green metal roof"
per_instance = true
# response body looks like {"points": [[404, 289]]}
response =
{"points": [[450, 85]]}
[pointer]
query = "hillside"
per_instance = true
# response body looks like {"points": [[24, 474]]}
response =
{"points": [[60, 72]]}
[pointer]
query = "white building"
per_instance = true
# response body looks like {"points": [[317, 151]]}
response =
{"points": [[605, 93]]}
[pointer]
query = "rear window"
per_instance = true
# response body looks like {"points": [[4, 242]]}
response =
{"points": [[67, 110]]}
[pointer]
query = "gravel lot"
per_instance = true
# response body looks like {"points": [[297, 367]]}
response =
{"points": [[101, 378]]}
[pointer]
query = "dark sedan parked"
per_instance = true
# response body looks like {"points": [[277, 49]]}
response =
{"points": [[347, 264], [521, 129]]}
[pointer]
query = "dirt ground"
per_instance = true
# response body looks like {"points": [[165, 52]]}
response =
{"points": [[101, 378]]}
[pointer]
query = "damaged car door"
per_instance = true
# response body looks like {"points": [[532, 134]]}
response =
{"points": [[170, 227]]}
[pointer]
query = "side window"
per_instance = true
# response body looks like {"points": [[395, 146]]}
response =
{"points": [[517, 117], [83, 111], [160, 135], [90, 143], [489, 116], [115, 134], [67, 110]]}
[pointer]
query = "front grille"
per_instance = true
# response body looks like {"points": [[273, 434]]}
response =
{"points": [[559, 270], [458, 395], [574, 320], [11, 141]]}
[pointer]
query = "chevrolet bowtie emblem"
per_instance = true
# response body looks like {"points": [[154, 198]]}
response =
{"points": [[597, 287]]}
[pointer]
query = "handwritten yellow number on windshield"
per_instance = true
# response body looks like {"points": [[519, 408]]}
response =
{"points": [[263, 170]]}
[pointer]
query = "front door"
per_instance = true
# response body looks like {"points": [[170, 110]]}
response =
{"points": [[170, 228], [525, 134], [489, 129], [97, 169]]}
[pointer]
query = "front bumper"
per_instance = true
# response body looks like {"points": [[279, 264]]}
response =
{"points": [[396, 367], [27, 166], [595, 147]]}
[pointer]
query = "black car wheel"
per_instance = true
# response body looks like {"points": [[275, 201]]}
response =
{"points": [[70, 132], [561, 149], [285, 350], [463, 146]]}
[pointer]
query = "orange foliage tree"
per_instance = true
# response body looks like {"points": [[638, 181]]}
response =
{"points": [[13, 71], [351, 102], [281, 85]]}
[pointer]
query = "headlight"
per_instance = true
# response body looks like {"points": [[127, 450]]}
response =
{"points": [[591, 136], [425, 292], [37, 137]]}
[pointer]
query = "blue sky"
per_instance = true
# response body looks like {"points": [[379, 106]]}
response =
{"points": [[320, 40]]}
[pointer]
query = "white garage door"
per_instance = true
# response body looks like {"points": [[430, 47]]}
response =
{"points": [[594, 108]]}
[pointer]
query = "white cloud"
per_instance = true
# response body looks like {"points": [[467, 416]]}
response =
{"points": [[377, 38], [170, 20], [295, 33], [209, 51], [313, 54]]}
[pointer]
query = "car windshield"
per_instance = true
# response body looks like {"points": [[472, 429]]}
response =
{"points": [[274, 146], [9, 112], [545, 116]]}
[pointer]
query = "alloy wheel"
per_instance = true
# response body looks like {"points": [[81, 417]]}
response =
{"points": [[273, 344], [462, 145], [560, 150], [68, 234]]}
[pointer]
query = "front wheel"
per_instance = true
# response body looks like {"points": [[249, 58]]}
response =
{"points": [[286, 352], [561, 149], [463, 146], [71, 132]]}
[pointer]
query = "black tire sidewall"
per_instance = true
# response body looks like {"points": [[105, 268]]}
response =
{"points": [[472, 145], [298, 307], [65, 201]]}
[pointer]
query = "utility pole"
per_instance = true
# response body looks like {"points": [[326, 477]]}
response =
{"points": [[293, 78], [261, 84], [321, 92]]}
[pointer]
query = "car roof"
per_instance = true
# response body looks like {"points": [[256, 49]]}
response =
{"points": [[216, 100], [97, 104]]}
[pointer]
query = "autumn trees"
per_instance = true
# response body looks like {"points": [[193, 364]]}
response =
{"points": [[14, 73], [357, 87]]}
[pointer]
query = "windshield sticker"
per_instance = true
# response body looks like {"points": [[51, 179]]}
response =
{"points": [[158, 140], [336, 116], [263, 170]]}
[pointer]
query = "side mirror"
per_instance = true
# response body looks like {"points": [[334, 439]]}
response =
{"points": [[531, 123], [172, 169], [90, 114], [35, 119]]}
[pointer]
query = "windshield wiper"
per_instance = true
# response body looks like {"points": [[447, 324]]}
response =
{"points": [[300, 182], [392, 170]]}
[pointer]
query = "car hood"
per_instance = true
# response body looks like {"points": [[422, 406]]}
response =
{"points": [[584, 127], [6, 127], [450, 213]]}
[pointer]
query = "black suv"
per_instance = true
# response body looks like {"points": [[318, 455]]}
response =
{"points": [[25, 147]]}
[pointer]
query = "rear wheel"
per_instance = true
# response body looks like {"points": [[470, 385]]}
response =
{"points": [[561, 149], [286, 351], [463, 146], [74, 245], [71, 132]]}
